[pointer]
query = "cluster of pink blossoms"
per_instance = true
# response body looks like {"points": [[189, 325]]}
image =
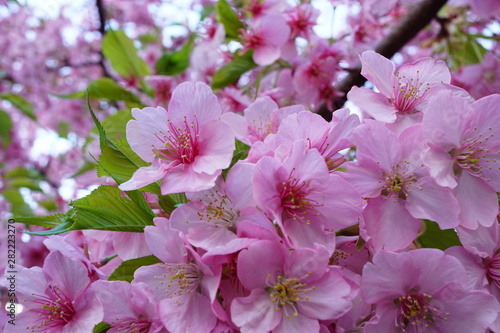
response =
{"points": [[261, 249]]}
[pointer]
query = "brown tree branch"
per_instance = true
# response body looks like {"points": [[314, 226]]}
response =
{"points": [[102, 29], [419, 16]]}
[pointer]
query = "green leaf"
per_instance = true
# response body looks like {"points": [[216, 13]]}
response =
{"points": [[126, 270], [18, 206], [232, 71], [465, 50], [121, 52], [101, 327], [115, 124], [49, 205], [117, 159], [33, 185], [206, 11], [49, 221], [240, 153], [113, 161], [5, 128], [175, 63], [63, 129], [21, 103], [171, 201], [103, 209], [224, 14], [104, 88], [106, 209], [22, 172], [434, 237]]}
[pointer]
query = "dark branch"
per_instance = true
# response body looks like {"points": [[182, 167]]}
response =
{"points": [[102, 29], [102, 16], [419, 16]]}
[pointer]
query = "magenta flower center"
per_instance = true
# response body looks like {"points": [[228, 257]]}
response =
{"points": [[493, 268], [219, 210], [251, 41], [296, 201], [417, 312], [54, 310], [180, 143], [397, 183], [473, 154], [409, 92], [287, 292]]}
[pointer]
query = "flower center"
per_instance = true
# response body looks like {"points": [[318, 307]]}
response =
{"points": [[286, 292], [417, 313], [178, 279], [397, 183], [219, 210], [179, 143], [409, 92], [56, 310], [473, 154], [296, 201]]}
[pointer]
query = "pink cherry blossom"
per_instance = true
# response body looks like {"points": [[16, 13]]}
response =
{"points": [[423, 290], [301, 19], [464, 153], [187, 145], [57, 298], [183, 286], [266, 36], [306, 201], [402, 92], [399, 191], [260, 119], [290, 290], [129, 307], [211, 218], [329, 138]]}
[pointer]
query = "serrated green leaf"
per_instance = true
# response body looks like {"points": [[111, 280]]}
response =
{"points": [[175, 63], [20, 103], [126, 270], [113, 161], [117, 159], [121, 52], [225, 14], [434, 237], [49, 221], [101, 327], [106, 209], [5, 128], [18, 206], [103, 209], [232, 71]]}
